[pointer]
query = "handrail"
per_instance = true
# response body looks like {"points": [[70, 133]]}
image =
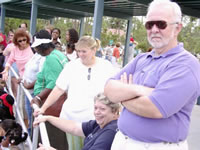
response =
{"points": [[42, 127]]}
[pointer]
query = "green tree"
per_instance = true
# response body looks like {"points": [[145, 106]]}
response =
{"points": [[190, 34], [139, 34], [112, 23]]}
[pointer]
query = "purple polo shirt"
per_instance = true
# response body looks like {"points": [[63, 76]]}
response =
{"points": [[175, 75]]}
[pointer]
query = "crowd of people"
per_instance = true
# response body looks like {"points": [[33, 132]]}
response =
{"points": [[87, 105]]}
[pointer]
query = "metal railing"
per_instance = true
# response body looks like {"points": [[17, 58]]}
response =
{"points": [[31, 145]]}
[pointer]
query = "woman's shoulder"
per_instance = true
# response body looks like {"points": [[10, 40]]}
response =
{"points": [[112, 125], [56, 54], [37, 57], [104, 63], [11, 45], [73, 65], [8, 49], [76, 61], [55, 51]]}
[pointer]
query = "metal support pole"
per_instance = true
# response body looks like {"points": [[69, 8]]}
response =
{"points": [[82, 25], [2, 19], [34, 11], [52, 21], [127, 42], [98, 15]]}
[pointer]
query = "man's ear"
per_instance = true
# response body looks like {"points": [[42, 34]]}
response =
{"points": [[179, 28]]}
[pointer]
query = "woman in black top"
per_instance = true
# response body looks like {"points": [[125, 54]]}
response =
{"points": [[98, 133]]}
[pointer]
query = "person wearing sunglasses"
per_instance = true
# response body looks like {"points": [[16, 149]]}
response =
{"points": [[82, 79], [20, 54], [158, 89]]}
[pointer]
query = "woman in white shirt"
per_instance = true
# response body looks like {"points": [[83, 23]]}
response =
{"points": [[82, 79]]}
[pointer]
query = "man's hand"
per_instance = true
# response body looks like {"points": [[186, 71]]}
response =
{"points": [[126, 80]]}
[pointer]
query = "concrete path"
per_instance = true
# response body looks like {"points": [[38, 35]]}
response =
{"points": [[194, 133]]}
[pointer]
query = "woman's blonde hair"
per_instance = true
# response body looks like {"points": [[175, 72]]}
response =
{"points": [[102, 98], [88, 41]]}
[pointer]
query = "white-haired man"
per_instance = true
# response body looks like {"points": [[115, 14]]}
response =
{"points": [[157, 89]]}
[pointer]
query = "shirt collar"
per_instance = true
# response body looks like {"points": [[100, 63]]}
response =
{"points": [[172, 51]]}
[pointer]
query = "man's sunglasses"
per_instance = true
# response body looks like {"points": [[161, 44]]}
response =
{"points": [[159, 24], [24, 40]]}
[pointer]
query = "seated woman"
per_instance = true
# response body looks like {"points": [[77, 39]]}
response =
{"points": [[98, 133], [11, 134]]}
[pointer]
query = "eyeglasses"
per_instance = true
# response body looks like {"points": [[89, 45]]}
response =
{"points": [[160, 24], [89, 73], [24, 40]]}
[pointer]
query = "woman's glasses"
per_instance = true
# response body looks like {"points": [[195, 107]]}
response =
{"points": [[159, 24], [23, 40], [89, 73]]}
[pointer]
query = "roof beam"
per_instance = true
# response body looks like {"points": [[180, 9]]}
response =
{"points": [[144, 2], [24, 15], [187, 2], [42, 12], [18, 9], [7, 1], [63, 6], [190, 12], [185, 10], [80, 9]]}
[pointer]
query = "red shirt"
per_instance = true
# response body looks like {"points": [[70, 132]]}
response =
{"points": [[4, 43], [116, 52]]}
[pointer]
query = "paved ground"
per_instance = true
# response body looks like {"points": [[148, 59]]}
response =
{"points": [[194, 133]]}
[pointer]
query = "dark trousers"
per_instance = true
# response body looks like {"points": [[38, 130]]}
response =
{"points": [[198, 101]]}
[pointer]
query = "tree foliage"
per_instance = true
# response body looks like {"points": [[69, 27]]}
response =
{"points": [[190, 34]]}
